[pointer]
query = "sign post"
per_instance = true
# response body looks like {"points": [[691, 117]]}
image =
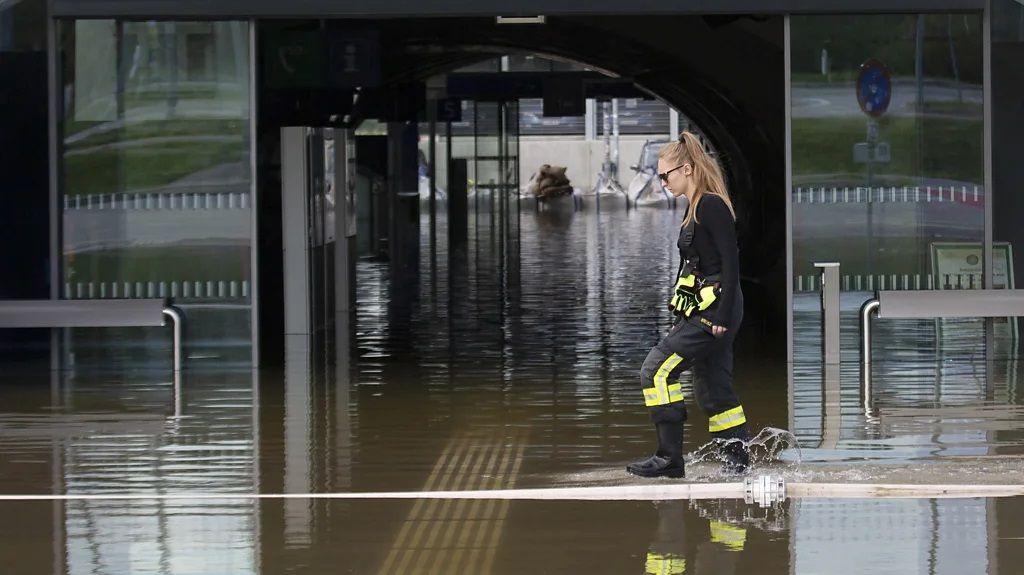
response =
{"points": [[874, 92]]}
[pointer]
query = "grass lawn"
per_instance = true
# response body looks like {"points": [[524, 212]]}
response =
{"points": [[101, 169], [952, 149]]}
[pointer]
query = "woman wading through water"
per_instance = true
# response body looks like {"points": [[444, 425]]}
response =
{"points": [[708, 305]]}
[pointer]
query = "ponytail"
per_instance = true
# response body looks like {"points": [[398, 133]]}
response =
{"points": [[707, 174]]}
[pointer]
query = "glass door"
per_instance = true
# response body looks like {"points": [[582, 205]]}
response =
{"points": [[887, 166]]}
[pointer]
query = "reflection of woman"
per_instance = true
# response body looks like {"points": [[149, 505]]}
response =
{"points": [[708, 305]]}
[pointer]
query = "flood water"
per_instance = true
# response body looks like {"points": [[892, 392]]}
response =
{"points": [[508, 364]]}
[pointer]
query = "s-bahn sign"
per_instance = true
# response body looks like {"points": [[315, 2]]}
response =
{"points": [[874, 88]]}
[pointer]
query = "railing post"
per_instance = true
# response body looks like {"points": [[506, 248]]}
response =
{"points": [[830, 310], [175, 315], [866, 311]]}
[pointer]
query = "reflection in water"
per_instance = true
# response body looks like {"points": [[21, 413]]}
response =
{"points": [[459, 536], [516, 367]]}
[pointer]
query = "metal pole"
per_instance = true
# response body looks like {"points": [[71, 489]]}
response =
{"points": [[615, 139], [919, 108], [590, 120], [788, 138], [830, 310], [866, 311], [175, 315]]}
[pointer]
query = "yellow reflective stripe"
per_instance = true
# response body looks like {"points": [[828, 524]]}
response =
{"points": [[686, 281], [651, 397], [726, 419], [661, 377], [729, 535], [675, 392], [658, 564], [707, 297]]}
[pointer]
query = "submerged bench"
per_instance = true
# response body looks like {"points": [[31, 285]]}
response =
{"points": [[93, 313], [929, 304]]}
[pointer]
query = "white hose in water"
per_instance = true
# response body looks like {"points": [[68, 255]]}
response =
{"points": [[655, 492]]}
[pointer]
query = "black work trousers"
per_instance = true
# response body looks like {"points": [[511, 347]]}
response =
{"points": [[688, 345]]}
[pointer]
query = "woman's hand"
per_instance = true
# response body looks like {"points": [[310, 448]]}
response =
{"points": [[718, 330]]}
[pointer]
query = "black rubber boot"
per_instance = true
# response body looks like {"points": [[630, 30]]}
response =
{"points": [[733, 451], [668, 460]]}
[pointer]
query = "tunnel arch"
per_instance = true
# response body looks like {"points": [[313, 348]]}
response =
{"points": [[725, 73]]}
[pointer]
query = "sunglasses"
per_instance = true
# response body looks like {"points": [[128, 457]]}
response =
{"points": [[664, 175]]}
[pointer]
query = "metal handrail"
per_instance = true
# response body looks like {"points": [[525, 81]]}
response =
{"points": [[869, 308], [866, 310], [175, 315]]}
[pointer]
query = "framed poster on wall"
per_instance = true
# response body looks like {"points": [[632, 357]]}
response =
{"points": [[958, 265]]}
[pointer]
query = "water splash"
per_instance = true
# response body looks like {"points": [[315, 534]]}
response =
{"points": [[764, 448]]}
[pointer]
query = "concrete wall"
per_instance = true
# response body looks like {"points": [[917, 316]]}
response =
{"points": [[581, 158]]}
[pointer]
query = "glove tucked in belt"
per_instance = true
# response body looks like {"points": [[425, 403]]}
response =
{"points": [[693, 292]]}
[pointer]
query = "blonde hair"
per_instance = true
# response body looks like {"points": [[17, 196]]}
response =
{"points": [[707, 174]]}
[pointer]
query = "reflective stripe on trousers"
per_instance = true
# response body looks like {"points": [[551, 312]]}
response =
{"points": [[658, 564], [726, 419], [734, 538], [663, 393]]}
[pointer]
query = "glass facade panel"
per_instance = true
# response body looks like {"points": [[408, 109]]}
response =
{"points": [[887, 157], [155, 174], [1007, 126]]}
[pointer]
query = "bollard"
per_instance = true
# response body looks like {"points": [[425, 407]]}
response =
{"points": [[829, 310]]}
